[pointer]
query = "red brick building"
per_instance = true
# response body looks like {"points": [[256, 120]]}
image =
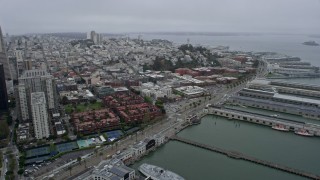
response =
{"points": [[183, 71], [93, 121], [131, 107]]}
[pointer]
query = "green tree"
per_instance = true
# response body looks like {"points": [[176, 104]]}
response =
{"points": [[64, 100], [85, 163], [147, 99], [21, 171], [79, 159], [146, 117], [9, 120], [70, 169]]}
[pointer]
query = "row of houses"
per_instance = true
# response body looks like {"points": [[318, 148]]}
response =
{"points": [[92, 121], [131, 107]]}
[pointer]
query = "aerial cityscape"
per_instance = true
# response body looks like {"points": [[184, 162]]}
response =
{"points": [[142, 102]]}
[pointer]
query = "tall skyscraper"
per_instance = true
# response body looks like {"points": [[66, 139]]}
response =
{"points": [[95, 37], [3, 90], [4, 58], [34, 81], [39, 115]]}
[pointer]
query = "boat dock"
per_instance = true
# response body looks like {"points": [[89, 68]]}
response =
{"points": [[238, 155], [261, 119]]}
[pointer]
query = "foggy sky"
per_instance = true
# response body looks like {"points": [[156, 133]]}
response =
{"points": [[117, 16]]}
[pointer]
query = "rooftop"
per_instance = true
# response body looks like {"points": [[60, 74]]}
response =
{"points": [[190, 90], [38, 98], [295, 98]]}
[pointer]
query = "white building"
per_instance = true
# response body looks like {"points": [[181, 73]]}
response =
{"points": [[95, 37], [112, 169], [152, 90], [19, 55], [159, 139], [23, 102], [191, 90], [39, 115], [139, 149], [34, 81]]}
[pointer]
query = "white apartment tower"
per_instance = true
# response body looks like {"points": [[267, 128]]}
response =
{"points": [[4, 58], [39, 115], [34, 81], [95, 37], [23, 102], [19, 55]]}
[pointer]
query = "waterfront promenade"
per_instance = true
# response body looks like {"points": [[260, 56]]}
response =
{"points": [[240, 156]]}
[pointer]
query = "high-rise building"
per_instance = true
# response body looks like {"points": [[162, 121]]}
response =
{"points": [[19, 55], [22, 102], [13, 66], [39, 115], [88, 35], [4, 58], [95, 37], [3, 90], [34, 81]]}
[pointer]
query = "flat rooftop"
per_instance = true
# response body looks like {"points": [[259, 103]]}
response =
{"points": [[38, 98], [295, 98], [190, 90]]}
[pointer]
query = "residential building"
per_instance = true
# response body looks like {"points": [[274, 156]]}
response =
{"points": [[93, 121], [34, 81], [4, 58], [3, 90], [95, 37], [23, 102], [39, 115]]}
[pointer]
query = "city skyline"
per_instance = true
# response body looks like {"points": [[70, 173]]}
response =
{"points": [[183, 89], [284, 16]]}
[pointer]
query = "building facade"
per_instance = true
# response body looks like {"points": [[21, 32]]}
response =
{"points": [[23, 102], [4, 58], [34, 81], [3, 90], [39, 115]]}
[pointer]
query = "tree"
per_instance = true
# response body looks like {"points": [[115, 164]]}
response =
{"points": [[9, 120], [79, 160], [146, 117], [147, 99], [116, 145], [70, 169], [21, 171], [64, 100], [85, 163]]}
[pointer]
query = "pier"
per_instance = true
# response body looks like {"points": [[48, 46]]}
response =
{"points": [[261, 119], [238, 155]]}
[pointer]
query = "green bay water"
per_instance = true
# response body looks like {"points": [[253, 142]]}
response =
{"points": [[261, 142]]}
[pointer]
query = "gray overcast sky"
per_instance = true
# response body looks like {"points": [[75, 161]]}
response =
{"points": [[109, 16]]}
